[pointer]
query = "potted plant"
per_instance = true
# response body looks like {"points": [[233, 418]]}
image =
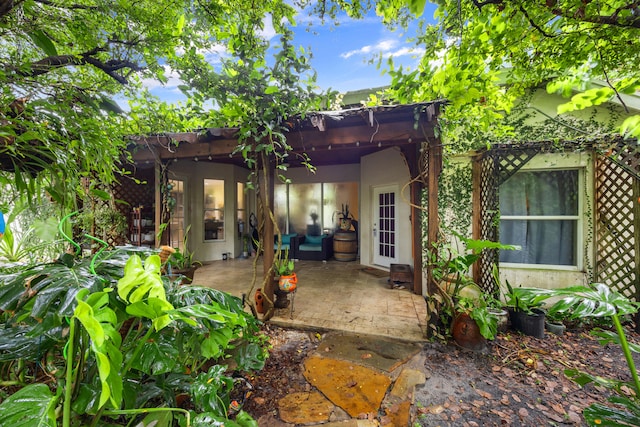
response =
{"points": [[461, 302], [473, 323], [554, 322], [345, 218], [284, 268], [525, 311], [181, 262]]}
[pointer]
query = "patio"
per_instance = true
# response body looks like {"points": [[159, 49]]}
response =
{"points": [[331, 295]]}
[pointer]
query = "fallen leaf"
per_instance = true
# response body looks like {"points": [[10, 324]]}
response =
{"points": [[523, 413], [484, 394], [366, 356], [438, 409]]}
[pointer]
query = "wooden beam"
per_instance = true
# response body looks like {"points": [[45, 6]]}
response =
{"points": [[398, 133], [435, 167], [412, 157]]}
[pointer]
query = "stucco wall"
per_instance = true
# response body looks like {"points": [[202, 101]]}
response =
{"points": [[335, 173], [385, 168]]}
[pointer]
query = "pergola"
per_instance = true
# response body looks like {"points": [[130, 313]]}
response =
{"points": [[327, 138]]}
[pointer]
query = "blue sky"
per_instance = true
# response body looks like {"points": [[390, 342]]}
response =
{"points": [[341, 54]]}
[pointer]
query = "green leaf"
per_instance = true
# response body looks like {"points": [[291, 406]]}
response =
{"points": [[31, 406], [631, 127], [159, 356], [625, 413], [271, 89], [41, 40]]}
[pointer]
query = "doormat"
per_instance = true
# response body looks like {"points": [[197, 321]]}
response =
{"points": [[375, 271]]}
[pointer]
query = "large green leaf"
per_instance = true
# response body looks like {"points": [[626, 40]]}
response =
{"points": [[625, 413], [100, 321], [41, 40], [141, 280], [31, 406], [159, 356], [17, 343]]}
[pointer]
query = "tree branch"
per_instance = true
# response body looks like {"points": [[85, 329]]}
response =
{"points": [[532, 23], [109, 67], [632, 21], [70, 6]]}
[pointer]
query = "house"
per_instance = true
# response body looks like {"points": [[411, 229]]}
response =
{"points": [[572, 206], [370, 158]]}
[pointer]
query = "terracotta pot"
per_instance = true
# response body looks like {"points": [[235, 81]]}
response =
{"points": [[187, 274], [288, 283], [466, 333], [259, 298]]}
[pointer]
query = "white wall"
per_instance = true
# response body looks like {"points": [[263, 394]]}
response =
{"points": [[385, 168], [334, 173]]}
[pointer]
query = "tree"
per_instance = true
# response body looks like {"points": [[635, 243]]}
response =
{"points": [[483, 55], [63, 62]]}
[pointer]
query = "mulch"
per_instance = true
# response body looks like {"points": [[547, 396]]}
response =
{"points": [[519, 381]]}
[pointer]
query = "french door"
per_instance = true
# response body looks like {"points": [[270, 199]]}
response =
{"points": [[385, 226]]}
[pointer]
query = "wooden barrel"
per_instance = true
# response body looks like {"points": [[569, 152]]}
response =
{"points": [[345, 245]]}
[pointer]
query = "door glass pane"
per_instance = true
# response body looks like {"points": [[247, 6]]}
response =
{"points": [[241, 209], [304, 200], [386, 225], [335, 195], [213, 209], [177, 213]]}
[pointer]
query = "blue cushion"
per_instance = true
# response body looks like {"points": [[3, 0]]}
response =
{"points": [[314, 247], [283, 247], [286, 238], [314, 240]]}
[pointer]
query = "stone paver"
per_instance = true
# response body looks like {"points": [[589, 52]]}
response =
{"points": [[310, 407], [354, 388]]}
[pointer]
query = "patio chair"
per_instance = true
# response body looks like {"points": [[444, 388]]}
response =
{"points": [[315, 248]]}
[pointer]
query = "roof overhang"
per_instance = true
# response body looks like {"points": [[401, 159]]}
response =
{"points": [[330, 137]]}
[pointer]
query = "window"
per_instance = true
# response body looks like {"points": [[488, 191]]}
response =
{"points": [[176, 207], [310, 208], [539, 211], [241, 209], [213, 209]]}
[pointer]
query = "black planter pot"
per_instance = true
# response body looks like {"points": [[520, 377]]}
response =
{"points": [[529, 324]]}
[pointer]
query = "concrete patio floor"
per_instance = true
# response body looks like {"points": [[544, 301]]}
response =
{"points": [[331, 296]]}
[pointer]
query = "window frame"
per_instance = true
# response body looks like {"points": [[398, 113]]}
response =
{"points": [[564, 163]]}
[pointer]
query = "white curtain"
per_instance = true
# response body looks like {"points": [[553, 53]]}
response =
{"points": [[540, 193]]}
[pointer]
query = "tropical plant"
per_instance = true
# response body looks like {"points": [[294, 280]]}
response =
{"points": [[456, 292], [114, 320], [596, 301], [283, 266], [521, 299], [183, 259]]}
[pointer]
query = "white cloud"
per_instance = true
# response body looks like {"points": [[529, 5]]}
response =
{"points": [[405, 51], [173, 80], [383, 46], [388, 48]]}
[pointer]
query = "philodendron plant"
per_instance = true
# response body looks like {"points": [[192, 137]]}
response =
{"points": [[597, 300], [118, 343]]}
